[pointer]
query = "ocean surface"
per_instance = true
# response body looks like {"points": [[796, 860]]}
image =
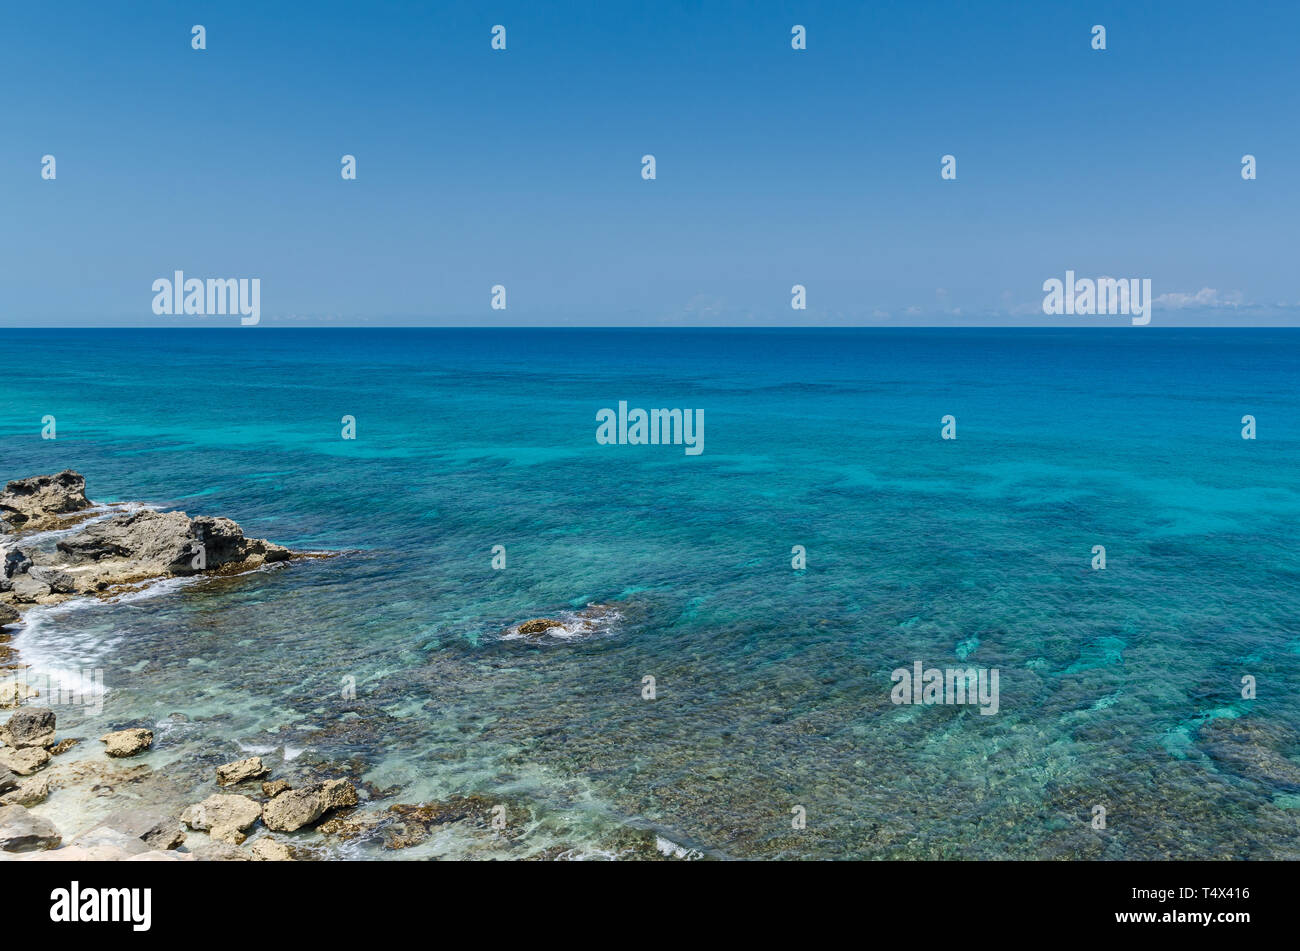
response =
{"points": [[772, 685]]}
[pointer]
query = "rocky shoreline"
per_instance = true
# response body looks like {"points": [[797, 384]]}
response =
{"points": [[105, 551], [113, 793]]}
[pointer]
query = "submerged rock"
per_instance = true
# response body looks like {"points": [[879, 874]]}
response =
{"points": [[127, 742], [20, 831], [239, 771], [412, 824], [1250, 749], [38, 501]]}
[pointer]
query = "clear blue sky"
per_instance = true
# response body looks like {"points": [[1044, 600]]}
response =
{"points": [[522, 167]]}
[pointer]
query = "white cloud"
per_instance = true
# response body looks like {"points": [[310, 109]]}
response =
{"points": [[1205, 297]]}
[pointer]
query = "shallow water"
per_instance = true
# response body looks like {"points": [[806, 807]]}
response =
{"points": [[773, 685]]}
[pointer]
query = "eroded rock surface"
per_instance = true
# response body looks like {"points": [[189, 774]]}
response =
{"points": [[296, 808], [107, 554], [127, 742], [37, 502], [30, 727], [226, 817], [242, 770]]}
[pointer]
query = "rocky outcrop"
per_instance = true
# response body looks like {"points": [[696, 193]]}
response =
{"points": [[20, 831], [139, 545], [296, 808], [226, 817], [32, 727], [38, 502], [127, 742], [240, 771], [570, 625], [537, 626], [107, 554]]}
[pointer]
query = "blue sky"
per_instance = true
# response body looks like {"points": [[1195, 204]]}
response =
{"points": [[775, 167]]}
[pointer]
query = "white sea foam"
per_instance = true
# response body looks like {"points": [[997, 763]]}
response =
{"points": [[102, 512], [592, 621]]}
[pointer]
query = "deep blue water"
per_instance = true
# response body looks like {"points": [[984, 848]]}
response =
{"points": [[773, 685]]}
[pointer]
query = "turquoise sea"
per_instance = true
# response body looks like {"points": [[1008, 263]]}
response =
{"points": [[772, 685]]}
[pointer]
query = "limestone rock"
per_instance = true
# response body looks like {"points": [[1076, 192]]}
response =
{"points": [[33, 503], [23, 762], [103, 836], [274, 788], [127, 742], [28, 590], [239, 771], [155, 828], [225, 817], [148, 544], [30, 727], [56, 580], [217, 851], [30, 792], [269, 850], [20, 831], [291, 810]]}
